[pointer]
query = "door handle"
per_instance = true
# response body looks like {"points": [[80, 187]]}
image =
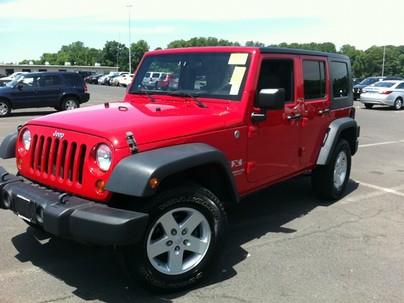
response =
{"points": [[324, 111], [294, 117]]}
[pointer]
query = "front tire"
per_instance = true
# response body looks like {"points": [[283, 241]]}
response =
{"points": [[368, 105], [182, 239], [398, 104], [329, 181], [5, 108]]}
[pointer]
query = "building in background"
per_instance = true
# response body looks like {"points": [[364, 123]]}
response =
{"points": [[8, 69]]}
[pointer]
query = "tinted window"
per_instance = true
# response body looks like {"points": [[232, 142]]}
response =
{"points": [[369, 81], [28, 81], [44, 81], [400, 86], [277, 74], [339, 78], [73, 79], [314, 79]]}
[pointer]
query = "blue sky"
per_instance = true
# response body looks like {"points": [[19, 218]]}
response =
{"points": [[29, 28]]}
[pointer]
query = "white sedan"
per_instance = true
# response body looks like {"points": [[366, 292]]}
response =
{"points": [[388, 93]]}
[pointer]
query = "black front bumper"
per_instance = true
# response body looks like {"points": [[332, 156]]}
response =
{"points": [[69, 216]]}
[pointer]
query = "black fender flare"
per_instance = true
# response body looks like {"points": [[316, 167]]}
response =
{"points": [[8, 145], [132, 174], [335, 129]]}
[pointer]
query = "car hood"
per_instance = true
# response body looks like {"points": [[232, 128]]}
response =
{"points": [[149, 122]]}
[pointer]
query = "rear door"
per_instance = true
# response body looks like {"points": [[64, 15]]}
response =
{"points": [[315, 97], [49, 89]]}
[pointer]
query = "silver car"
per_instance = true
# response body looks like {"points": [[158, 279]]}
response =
{"points": [[389, 93]]}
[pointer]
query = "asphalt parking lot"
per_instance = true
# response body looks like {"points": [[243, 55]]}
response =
{"points": [[283, 246]]}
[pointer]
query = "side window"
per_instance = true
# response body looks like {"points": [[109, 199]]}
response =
{"points": [[73, 80], [339, 78], [45, 81], [400, 86], [314, 79], [29, 81], [277, 73]]}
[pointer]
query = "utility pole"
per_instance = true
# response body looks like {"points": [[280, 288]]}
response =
{"points": [[384, 59], [129, 6]]}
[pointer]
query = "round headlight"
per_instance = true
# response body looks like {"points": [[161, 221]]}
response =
{"points": [[26, 139], [104, 157]]}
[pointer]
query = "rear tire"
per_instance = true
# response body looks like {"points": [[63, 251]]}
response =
{"points": [[329, 181], [5, 108], [182, 240], [69, 103], [368, 105], [398, 104]]}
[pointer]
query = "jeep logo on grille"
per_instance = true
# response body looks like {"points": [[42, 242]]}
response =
{"points": [[58, 135]]}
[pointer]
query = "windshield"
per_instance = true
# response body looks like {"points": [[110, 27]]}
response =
{"points": [[210, 75], [15, 81], [369, 81]]}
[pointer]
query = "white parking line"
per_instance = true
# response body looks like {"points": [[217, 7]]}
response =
{"points": [[383, 189], [381, 143]]}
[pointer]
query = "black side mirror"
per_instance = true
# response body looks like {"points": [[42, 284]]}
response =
{"points": [[19, 86], [271, 98]]}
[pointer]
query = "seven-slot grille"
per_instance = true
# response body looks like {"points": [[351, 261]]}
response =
{"points": [[59, 158]]}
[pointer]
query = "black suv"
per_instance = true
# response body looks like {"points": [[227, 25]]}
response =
{"points": [[61, 90]]}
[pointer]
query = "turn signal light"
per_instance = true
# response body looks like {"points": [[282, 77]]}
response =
{"points": [[100, 186], [153, 183], [19, 163]]}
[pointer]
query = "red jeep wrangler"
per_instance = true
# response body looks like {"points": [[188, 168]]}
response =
{"points": [[155, 173]]}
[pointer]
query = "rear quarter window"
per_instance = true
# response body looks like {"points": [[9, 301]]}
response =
{"points": [[340, 79], [73, 80]]}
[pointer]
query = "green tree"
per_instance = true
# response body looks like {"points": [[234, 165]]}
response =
{"points": [[201, 41], [254, 44], [115, 54], [137, 51]]}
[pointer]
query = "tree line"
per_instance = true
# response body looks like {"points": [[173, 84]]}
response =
{"points": [[364, 62]]}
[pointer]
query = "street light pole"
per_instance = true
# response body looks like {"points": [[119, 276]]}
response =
{"points": [[129, 6], [384, 59]]}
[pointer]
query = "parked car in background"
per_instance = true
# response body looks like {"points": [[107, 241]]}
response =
{"points": [[389, 93], [356, 81], [10, 78], [164, 82], [357, 89], [85, 74], [93, 79], [104, 80], [126, 80], [61, 90], [151, 78], [115, 80]]}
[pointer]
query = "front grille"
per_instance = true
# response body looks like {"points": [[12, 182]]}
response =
{"points": [[58, 158]]}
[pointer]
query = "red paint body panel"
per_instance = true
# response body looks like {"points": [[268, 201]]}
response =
{"points": [[273, 150]]}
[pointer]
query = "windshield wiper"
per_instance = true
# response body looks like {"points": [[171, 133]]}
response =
{"points": [[144, 92], [185, 94]]}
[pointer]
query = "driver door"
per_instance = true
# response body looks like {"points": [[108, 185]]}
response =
{"points": [[25, 93], [273, 146]]}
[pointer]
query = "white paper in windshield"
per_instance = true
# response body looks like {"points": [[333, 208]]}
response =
{"points": [[237, 79], [238, 59]]}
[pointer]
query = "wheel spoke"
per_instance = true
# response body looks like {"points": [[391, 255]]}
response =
{"points": [[168, 222], [158, 247], [175, 260], [197, 245], [192, 222]]}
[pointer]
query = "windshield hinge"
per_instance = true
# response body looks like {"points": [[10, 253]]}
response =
{"points": [[131, 142]]}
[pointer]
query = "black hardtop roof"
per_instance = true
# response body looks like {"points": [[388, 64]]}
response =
{"points": [[282, 50]]}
